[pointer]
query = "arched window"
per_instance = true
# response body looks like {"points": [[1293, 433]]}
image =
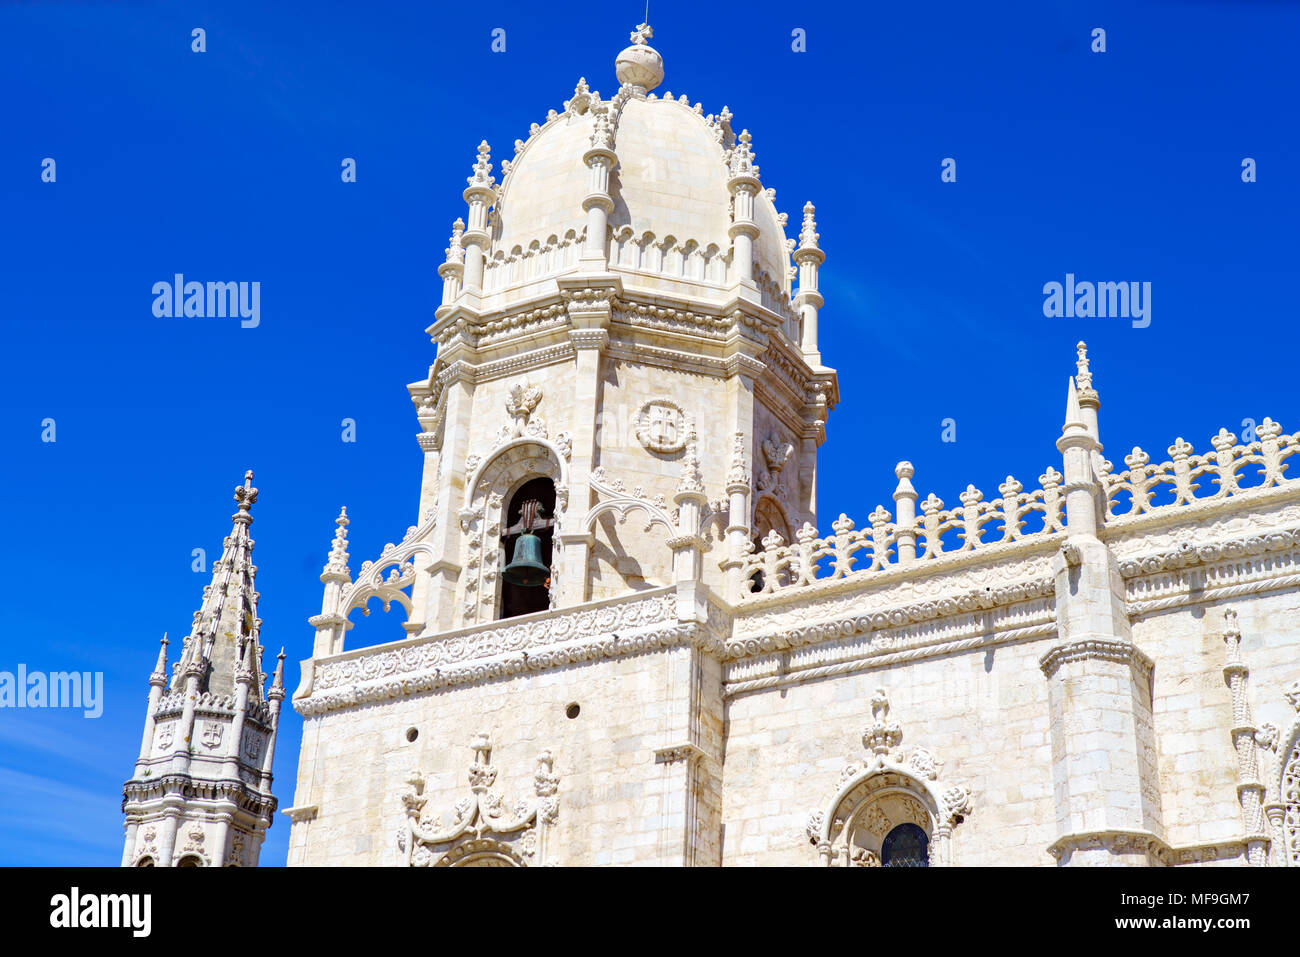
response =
{"points": [[526, 599], [905, 846], [189, 860], [145, 862]]}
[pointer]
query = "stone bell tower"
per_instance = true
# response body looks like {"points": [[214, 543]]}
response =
{"points": [[619, 326], [201, 791]]}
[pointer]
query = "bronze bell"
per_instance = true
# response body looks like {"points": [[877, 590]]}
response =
{"points": [[526, 567]]}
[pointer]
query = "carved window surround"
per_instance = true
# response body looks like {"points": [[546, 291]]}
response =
{"points": [[889, 788], [483, 830]]}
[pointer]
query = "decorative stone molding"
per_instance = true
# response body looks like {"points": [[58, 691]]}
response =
{"points": [[1151, 850], [615, 498], [775, 454], [399, 561], [1213, 571], [1090, 649], [300, 815], [483, 831], [1250, 789], [768, 635], [672, 754], [1284, 811], [418, 655], [508, 665], [889, 788], [520, 404]]}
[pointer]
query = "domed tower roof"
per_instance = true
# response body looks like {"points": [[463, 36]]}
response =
{"points": [[669, 183]]}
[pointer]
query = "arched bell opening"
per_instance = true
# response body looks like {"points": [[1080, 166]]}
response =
{"points": [[527, 543]]}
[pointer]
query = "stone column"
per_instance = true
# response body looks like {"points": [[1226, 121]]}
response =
{"points": [[181, 750], [452, 271], [221, 839], [738, 525], [590, 302], [905, 513], [744, 186], [1250, 790], [128, 851], [689, 795], [1099, 686], [442, 576], [809, 257], [480, 195], [167, 837], [600, 160]]}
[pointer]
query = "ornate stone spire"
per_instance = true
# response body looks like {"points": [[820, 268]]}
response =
{"points": [[1088, 397], [690, 481], [201, 791], [742, 157], [159, 676], [336, 568], [808, 235], [277, 683], [1073, 413], [483, 167], [808, 259], [228, 615], [455, 251], [739, 474]]}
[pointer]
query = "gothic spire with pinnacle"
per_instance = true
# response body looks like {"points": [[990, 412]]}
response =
{"points": [[226, 628]]}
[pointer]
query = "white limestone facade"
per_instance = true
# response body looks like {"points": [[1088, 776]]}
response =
{"points": [[1100, 667]]}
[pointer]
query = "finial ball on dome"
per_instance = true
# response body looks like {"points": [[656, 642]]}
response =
{"points": [[640, 64]]}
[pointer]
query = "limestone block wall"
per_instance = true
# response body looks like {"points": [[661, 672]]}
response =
{"points": [[1193, 708], [618, 804], [983, 714], [625, 554]]}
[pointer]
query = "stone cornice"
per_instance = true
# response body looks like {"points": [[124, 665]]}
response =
{"points": [[1121, 841], [685, 752], [298, 815], [504, 666], [829, 648], [1214, 571], [145, 791], [1096, 649]]}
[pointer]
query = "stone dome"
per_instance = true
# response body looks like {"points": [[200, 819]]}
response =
{"points": [[669, 186]]}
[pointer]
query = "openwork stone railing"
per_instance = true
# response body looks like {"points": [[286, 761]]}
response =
{"points": [[1135, 491], [537, 261], [685, 259], [937, 531]]}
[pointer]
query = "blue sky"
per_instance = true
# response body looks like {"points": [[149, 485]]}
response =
{"points": [[1123, 165]]}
